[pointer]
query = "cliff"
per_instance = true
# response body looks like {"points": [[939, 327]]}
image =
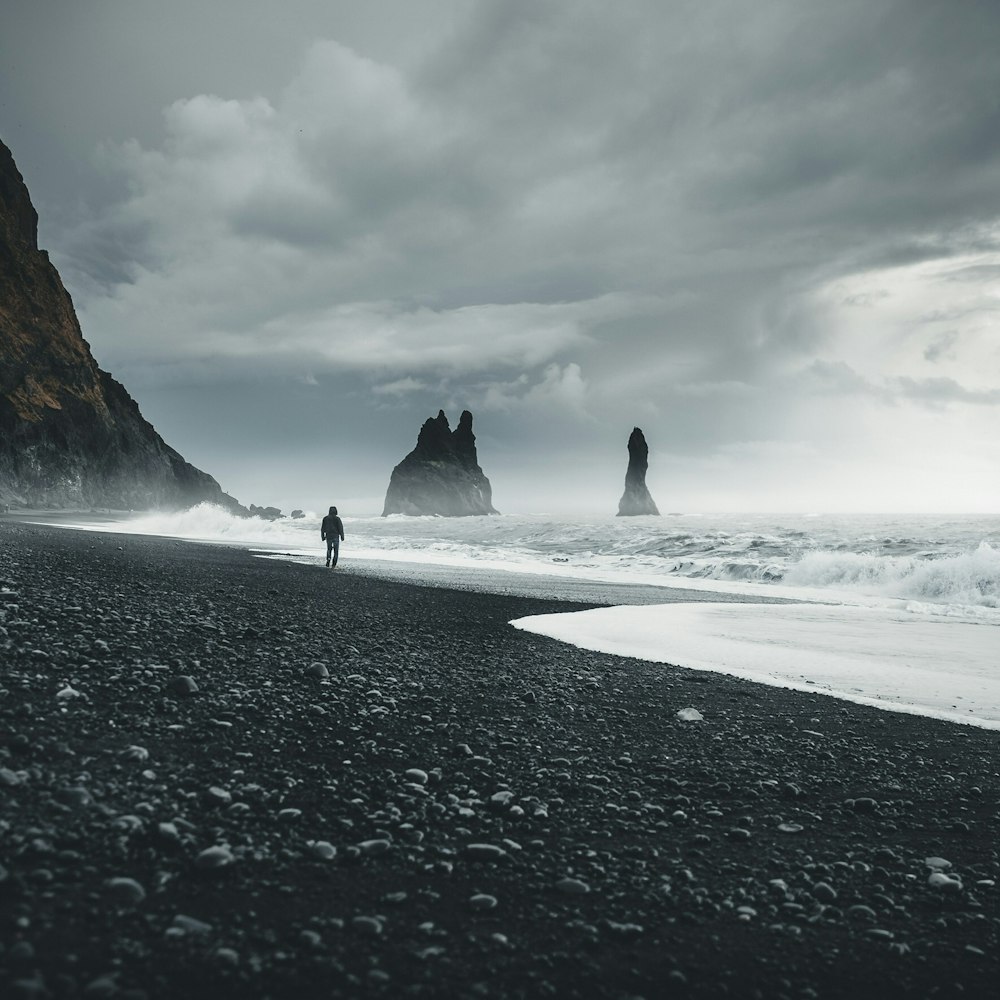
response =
{"points": [[636, 498], [442, 474], [70, 435]]}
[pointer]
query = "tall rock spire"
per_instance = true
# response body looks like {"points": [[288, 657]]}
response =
{"points": [[636, 498]]}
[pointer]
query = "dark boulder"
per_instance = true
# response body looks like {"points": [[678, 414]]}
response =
{"points": [[266, 513], [636, 498], [442, 474]]}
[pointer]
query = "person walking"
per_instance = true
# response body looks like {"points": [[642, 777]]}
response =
{"points": [[332, 532]]}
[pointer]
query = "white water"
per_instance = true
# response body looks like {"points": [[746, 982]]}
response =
{"points": [[920, 663], [904, 610]]}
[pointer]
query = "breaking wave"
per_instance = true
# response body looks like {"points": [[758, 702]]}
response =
{"points": [[940, 561], [965, 578]]}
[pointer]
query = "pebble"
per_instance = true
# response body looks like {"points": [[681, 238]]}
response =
{"points": [[944, 883], [74, 796], [126, 891], [417, 776], [103, 986], [213, 858], [289, 815], [864, 805], [690, 715], [367, 925], [30, 989], [69, 692], [485, 852], [190, 925], [21, 953], [168, 831], [182, 686], [572, 886], [318, 670], [790, 827], [482, 901], [824, 892], [218, 796], [322, 849], [938, 864], [623, 930], [135, 753], [371, 848]]}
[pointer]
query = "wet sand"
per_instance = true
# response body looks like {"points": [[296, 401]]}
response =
{"points": [[381, 788]]}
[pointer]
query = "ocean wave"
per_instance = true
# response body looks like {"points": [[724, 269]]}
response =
{"points": [[209, 523], [920, 559], [971, 578]]}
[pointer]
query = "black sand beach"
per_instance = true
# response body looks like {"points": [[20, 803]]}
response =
{"points": [[459, 809]]}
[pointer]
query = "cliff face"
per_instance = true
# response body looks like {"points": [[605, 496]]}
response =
{"points": [[442, 474], [636, 498], [70, 435]]}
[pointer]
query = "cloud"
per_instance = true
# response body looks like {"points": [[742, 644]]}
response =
{"points": [[841, 379], [506, 170], [560, 387], [939, 391], [941, 346], [563, 214], [400, 387]]}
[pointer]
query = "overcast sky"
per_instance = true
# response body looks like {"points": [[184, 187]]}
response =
{"points": [[767, 233]]}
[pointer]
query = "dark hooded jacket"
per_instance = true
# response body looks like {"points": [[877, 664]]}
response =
{"points": [[332, 526]]}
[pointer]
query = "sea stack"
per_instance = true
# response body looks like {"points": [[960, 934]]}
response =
{"points": [[70, 435], [442, 474], [636, 498]]}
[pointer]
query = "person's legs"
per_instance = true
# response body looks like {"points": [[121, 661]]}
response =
{"points": [[336, 549], [329, 547]]}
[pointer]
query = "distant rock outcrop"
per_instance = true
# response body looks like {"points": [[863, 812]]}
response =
{"points": [[70, 435], [442, 474], [636, 498], [266, 513]]}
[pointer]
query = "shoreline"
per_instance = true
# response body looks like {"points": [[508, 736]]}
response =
{"points": [[628, 851], [498, 581], [513, 583], [854, 687]]}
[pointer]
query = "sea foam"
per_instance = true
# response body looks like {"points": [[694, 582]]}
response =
{"points": [[947, 561], [971, 578]]}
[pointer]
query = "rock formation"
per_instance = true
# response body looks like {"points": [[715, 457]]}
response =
{"points": [[442, 474], [636, 498], [266, 513], [70, 435]]}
